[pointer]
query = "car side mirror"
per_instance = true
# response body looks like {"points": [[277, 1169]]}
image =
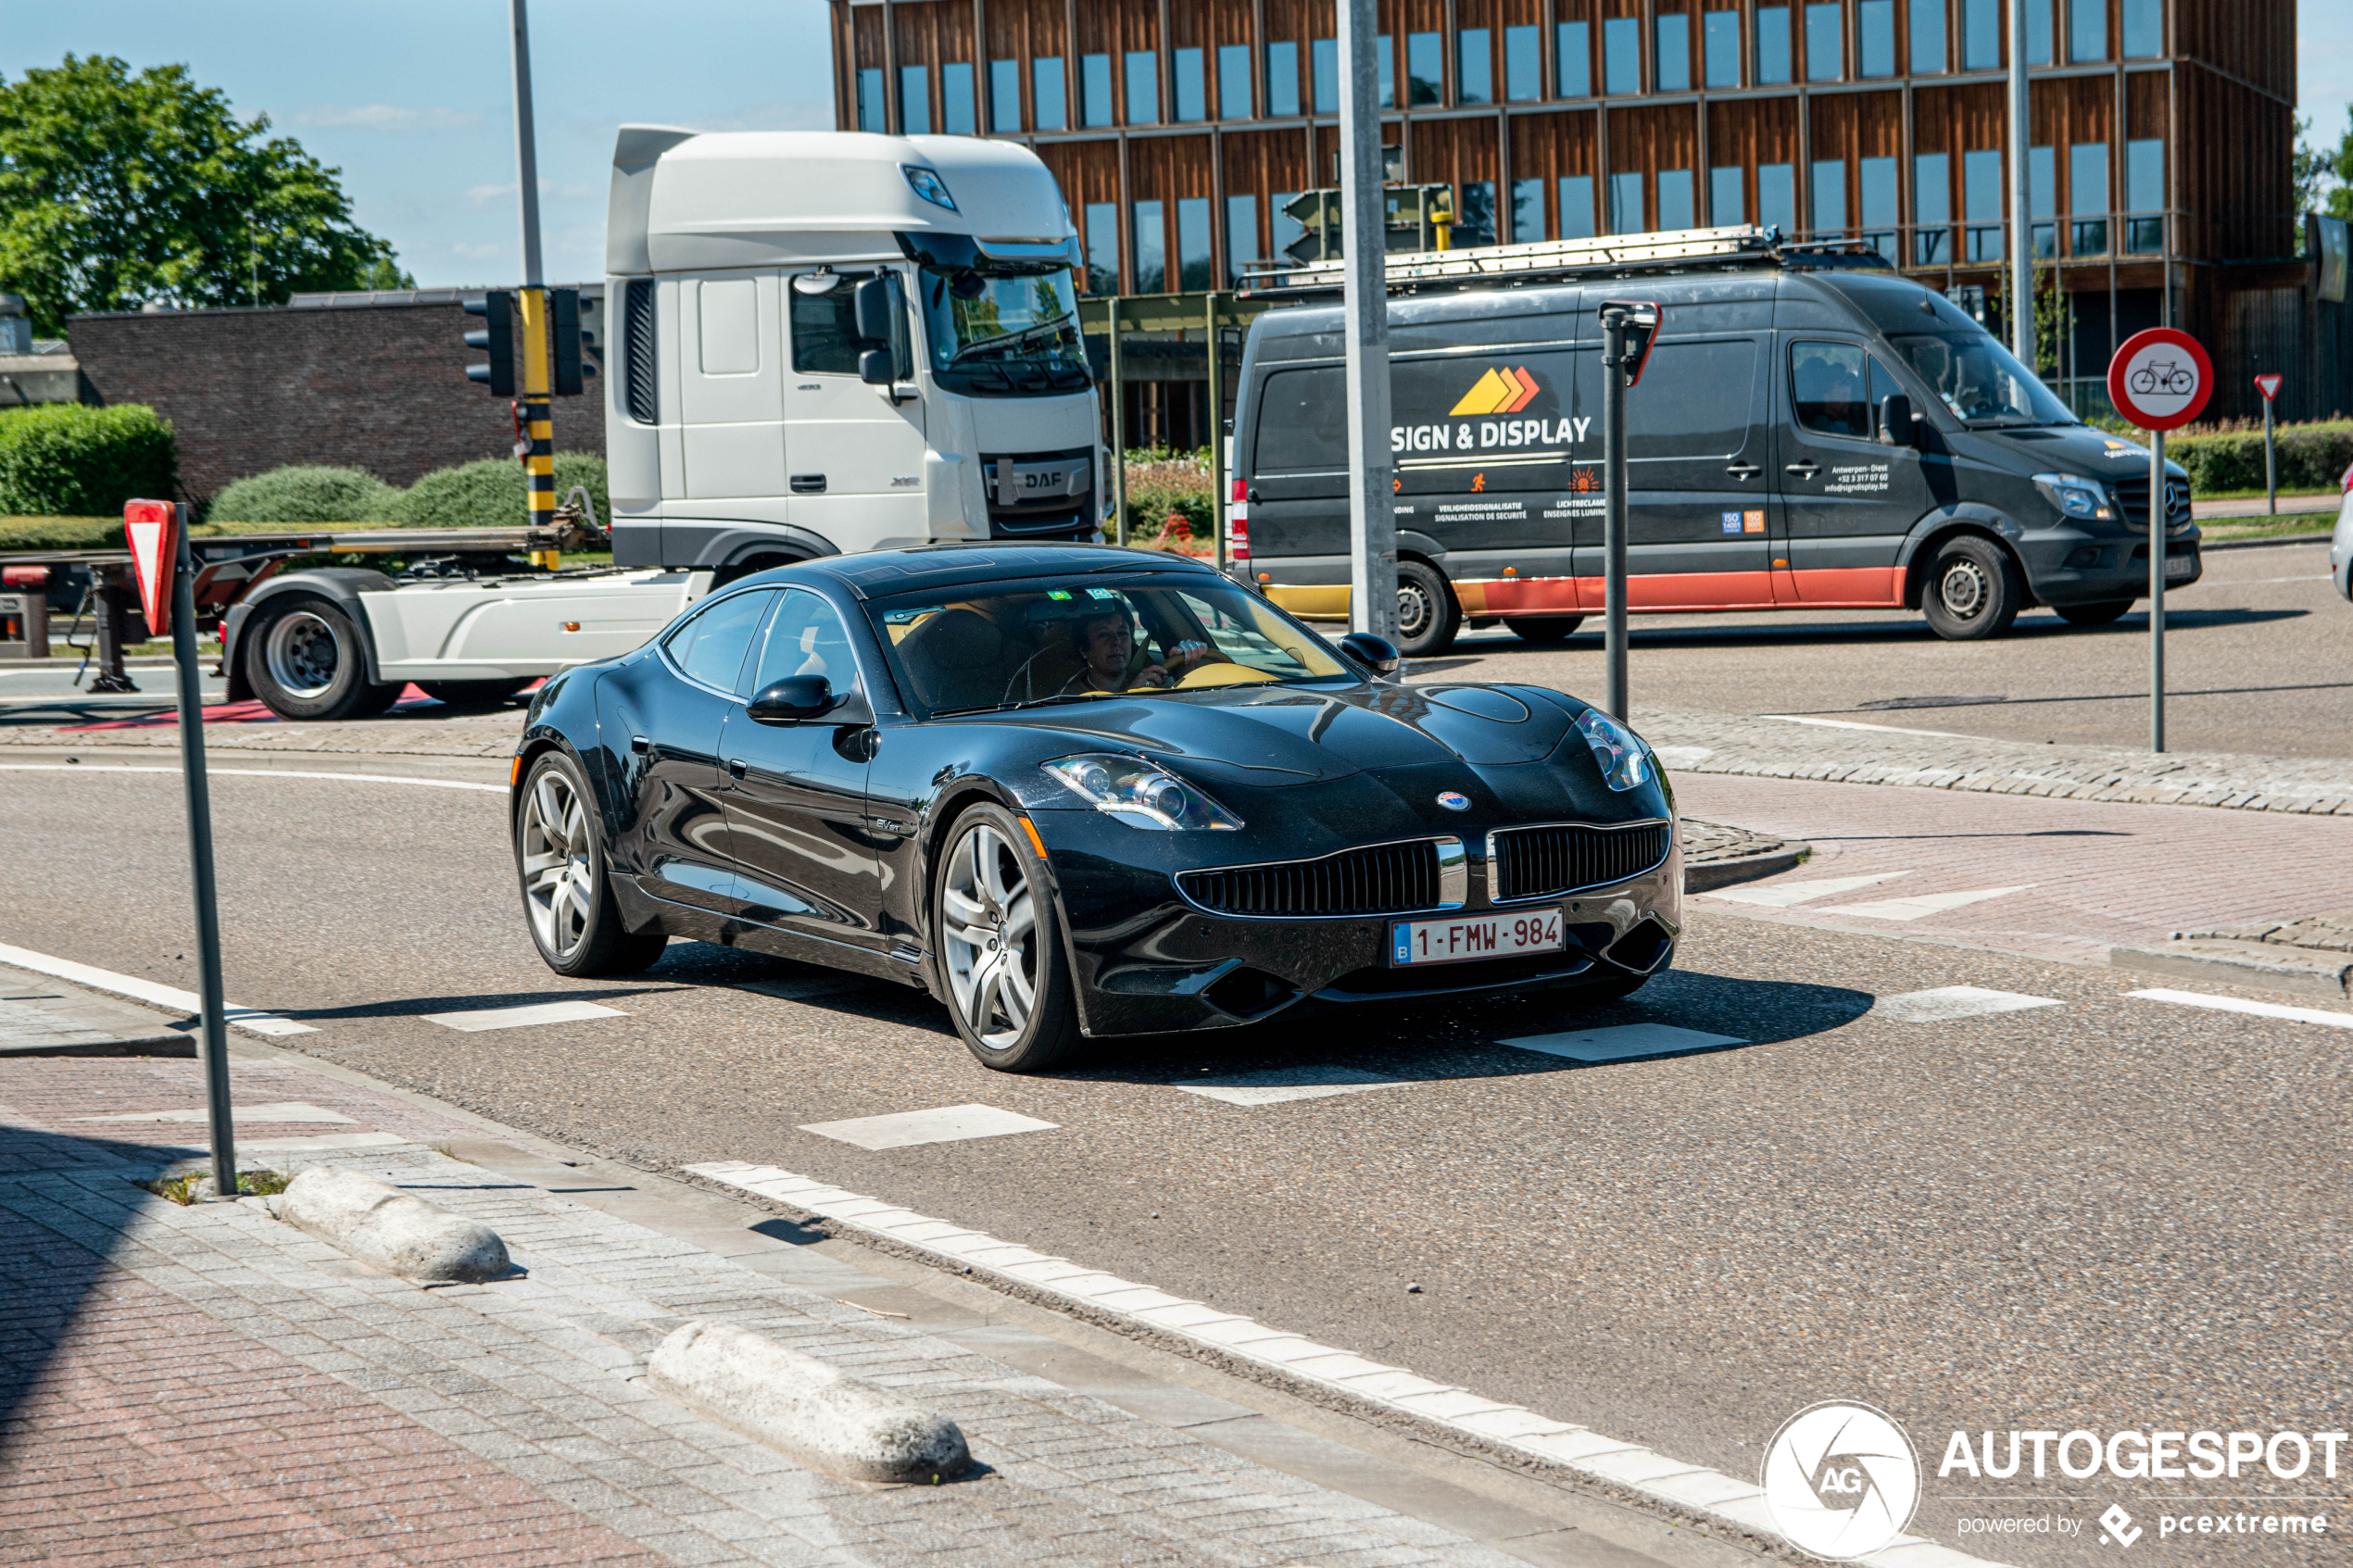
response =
{"points": [[1376, 654], [873, 307], [791, 700], [1896, 422], [873, 367]]}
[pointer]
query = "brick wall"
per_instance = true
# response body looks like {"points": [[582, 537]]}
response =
{"points": [[381, 387]]}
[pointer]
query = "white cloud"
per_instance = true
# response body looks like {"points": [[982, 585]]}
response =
{"points": [[483, 253], [384, 117], [483, 195]]}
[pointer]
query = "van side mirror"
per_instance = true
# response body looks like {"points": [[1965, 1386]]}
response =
{"points": [[1376, 654], [790, 700], [874, 308], [1896, 422], [873, 367]]}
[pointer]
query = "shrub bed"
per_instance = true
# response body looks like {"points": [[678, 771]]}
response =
{"points": [[2311, 456], [490, 494], [306, 498], [65, 460]]}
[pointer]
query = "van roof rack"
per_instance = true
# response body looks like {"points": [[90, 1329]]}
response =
{"points": [[1669, 250]]}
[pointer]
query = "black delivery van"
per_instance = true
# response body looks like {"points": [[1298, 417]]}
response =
{"points": [[1812, 430]]}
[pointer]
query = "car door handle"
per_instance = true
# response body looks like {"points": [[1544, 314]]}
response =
{"points": [[640, 744], [1805, 470], [1743, 470], [734, 767]]}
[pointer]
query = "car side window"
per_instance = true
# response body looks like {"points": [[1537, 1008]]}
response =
{"points": [[805, 637], [711, 647], [824, 329], [1827, 386]]}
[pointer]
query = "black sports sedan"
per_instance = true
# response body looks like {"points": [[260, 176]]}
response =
{"points": [[1082, 791]]}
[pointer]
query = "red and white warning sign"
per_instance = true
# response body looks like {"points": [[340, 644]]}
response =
{"points": [[152, 528], [2160, 378], [2269, 385]]}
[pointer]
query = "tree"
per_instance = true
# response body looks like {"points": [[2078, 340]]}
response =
{"points": [[117, 190], [2324, 175]]}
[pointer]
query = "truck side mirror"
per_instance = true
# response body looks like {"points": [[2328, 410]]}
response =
{"points": [[1896, 422], [873, 367], [876, 310], [790, 700]]}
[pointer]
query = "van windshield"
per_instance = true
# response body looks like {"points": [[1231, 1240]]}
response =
{"points": [[1979, 379], [1002, 335]]}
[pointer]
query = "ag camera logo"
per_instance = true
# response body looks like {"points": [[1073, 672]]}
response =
{"points": [[1840, 1480]]}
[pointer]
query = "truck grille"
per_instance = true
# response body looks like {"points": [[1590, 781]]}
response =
{"points": [[1384, 878], [1541, 862], [2133, 499]]}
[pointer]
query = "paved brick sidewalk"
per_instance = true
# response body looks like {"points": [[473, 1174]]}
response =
{"points": [[207, 1384]]}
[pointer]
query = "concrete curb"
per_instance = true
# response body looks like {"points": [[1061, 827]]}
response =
{"points": [[2322, 537], [2264, 965], [1708, 875], [810, 1410], [388, 1229]]}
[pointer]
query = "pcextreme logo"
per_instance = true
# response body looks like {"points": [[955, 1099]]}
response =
{"points": [[1501, 391], [1840, 1480]]}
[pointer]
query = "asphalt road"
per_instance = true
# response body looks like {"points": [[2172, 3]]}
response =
{"points": [[2257, 661], [2107, 1214]]}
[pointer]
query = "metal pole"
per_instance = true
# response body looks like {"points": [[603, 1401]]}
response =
{"points": [[526, 147], [2157, 590], [1118, 427], [1614, 509], [2271, 467], [199, 797], [1372, 510], [538, 413], [1217, 435], [2021, 228]]}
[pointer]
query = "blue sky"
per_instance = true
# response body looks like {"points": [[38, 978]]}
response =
{"points": [[411, 101]]}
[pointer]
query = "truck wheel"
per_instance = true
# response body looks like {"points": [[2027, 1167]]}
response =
{"points": [[1542, 629], [1000, 947], [2098, 614], [305, 661], [1428, 614], [566, 881], [472, 694], [1973, 590]]}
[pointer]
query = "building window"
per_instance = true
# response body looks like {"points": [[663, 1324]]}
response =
{"points": [[1980, 34], [1103, 247], [1625, 204], [1233, 81], [914, 100], [2042, 197], [2143, 28], [1777, 196], [1046, 90], [1289, 229], [1982, 203], [2086, 31], [871, 116], [1675, 199], [1474, 67], [1829, 197], [1622, 55], [1152, 249], [1825, 44], [2038, 33], [1674, 66], [1475, 214], [1876, 181], [1523, 69], [1572, 61], [1282, 80], [1425, 68], [1004, 95], [1144, 87], [1772, 45], [1196, 271], [1191, 88], [2087, 197], [2145, 195], [1875, 38], [1388, 52], [1726, 207], [1927, 36], [1528, 211], [1323, 57], [1094, 90], [1931, 209], [1241, 238], [957, 113], [1723, 47], [1576, 197]]}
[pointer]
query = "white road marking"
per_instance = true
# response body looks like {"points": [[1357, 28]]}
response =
{"points": [[284, 1110], [1854, 724], [251, 1020], [1921, 905], [950, 1124], [1947, 1002], [2261, 1010], [1781, 895], [1063, 1283], [1276, 1084], [248, 773], [475, 1020], [1623, 1043]]}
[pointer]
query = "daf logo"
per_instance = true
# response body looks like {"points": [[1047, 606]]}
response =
{"points": [[1454, 802]]}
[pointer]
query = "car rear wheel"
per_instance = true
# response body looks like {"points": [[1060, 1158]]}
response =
{"points": [[567, 886], [1427, 615], [472, 694], [1542, 629], [1973, 591], [1000, 945], [2098, 614], [306, 659]]}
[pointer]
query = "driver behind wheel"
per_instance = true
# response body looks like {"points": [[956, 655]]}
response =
{"points": [[1099, 653]]}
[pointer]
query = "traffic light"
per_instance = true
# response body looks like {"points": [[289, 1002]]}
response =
{"points": [[497, 310], [563, 321]]}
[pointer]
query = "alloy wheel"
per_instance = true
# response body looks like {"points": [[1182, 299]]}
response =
{"points": [[558, 864], [990, 920], [302, 654]]}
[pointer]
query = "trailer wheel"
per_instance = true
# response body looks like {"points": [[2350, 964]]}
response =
{"points": [[1542, 629], [304, 659], [1427, 613], [472, 693], [1974, 590]]}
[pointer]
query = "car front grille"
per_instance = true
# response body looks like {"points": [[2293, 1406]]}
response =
{"points": [[2133, 499], [1541, 862], [1384, 878]]}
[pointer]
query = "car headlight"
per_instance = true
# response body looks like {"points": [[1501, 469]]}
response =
{"points": [[2076, 496], [1140, 793], [1625, 761]]}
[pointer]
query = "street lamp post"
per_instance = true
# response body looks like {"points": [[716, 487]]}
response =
{"points": [[1372, 514]]}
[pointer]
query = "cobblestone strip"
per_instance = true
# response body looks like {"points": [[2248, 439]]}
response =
{"points": [[540, 1376]]}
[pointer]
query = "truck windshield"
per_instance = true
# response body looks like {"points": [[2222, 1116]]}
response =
{"points": [[1003, 335], [1979, 379]]}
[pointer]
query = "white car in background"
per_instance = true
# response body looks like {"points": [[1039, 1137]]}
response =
{"points": [[2341, 544]]}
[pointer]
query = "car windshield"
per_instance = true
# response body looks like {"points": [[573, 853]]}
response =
{"points": [[1002, 646], [1016, 335], [1980, 382]]}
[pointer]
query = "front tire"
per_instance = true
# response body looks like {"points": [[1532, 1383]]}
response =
{"points": [[566, 881], [1427, 613], [1000, 945], [1974, 590], [1543, 631], [307, 659], [2099, 614]]}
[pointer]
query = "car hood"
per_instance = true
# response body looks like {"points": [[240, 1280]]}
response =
{"points": [[2081, 449]]}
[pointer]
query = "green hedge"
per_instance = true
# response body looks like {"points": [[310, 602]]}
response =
{"points": [[306, 498], [2311, 456], [65, 460], [490, 494]]}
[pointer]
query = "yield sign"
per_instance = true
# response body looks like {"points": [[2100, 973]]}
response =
{"points": [[2269, 385], [153, 530]]}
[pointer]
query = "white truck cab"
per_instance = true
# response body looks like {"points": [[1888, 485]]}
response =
{"points": [[829, 341]]}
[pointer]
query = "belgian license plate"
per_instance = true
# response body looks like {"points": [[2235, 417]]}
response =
{"points": [[2180, 565], [1483, 936]]}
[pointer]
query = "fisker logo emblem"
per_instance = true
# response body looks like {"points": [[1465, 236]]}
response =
{"points": [[1454, 802]]}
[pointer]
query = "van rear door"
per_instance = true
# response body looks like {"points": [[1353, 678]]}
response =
{"points": [[1847, 500]]}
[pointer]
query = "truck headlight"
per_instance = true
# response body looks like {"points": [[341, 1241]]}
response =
{"points": [[1625, 761], [1139, 793], [2076, 496]]}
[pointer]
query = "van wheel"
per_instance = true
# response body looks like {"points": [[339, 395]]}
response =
{"points": [[1542, 629], [472, 694], [1973, 590], [1428, 614], [2098, 614], [305, 661]]}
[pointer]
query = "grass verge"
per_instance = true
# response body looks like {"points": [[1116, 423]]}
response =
{"points": [[183, 1189]]}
